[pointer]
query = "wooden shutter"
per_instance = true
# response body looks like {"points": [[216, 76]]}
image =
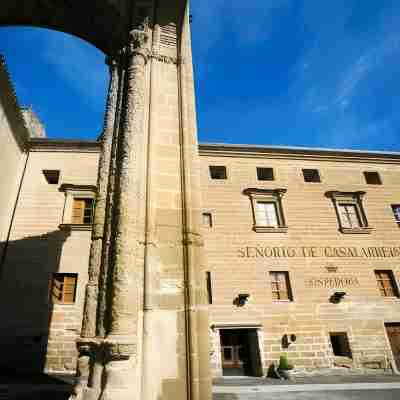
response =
{"points": [[69, 288], [386, 283], [283, 289], [78, 211], [280, 286]]}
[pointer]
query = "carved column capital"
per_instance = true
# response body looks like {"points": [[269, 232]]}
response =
{"points": [[137, 44]]}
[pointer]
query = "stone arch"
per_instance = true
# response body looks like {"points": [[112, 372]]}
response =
{"points": [[103, 23]]}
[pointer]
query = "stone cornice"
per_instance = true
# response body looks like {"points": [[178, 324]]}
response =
{"points": [[296, 153], [229, 150], [61, 145]]}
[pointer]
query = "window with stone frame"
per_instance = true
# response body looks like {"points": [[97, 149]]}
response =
{"points": [[79, 205], [350, 211], [386, 283], [63, 288], [82, 211], [267, 209], [396, 212], [280, 286]]}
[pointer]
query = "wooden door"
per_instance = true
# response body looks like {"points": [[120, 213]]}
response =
{"points": [[393, 332], [231, 357]]}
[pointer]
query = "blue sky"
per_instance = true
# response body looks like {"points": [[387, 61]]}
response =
{"points": [[280, 72]]}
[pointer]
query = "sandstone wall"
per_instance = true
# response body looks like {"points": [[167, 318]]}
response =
{"points": [[32, 326]]}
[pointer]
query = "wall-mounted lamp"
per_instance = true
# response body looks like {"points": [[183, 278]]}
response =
{"points": [[241, 299], [337, 297], [287, 340]]}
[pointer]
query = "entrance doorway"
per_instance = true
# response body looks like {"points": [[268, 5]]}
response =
{"points": [[240, 352], [393, 332]]}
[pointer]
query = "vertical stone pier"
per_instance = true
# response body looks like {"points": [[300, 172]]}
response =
{"points": [[151, 340]]}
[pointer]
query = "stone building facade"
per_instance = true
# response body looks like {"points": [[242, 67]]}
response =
{"points": [[331, 244], [302, 248], [297, 247]]}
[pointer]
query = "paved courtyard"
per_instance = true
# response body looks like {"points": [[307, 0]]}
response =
{"points": [[312, 388], [318, 388], [387, 394]]}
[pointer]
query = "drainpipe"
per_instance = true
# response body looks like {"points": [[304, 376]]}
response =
{"points": [[4, 253]]}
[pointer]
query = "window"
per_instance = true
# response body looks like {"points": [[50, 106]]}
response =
{"points": [[350, 211], [218, 172], [267, 209], [52, 176], [207, 220], [82, 211], [280, 286], [265, 174], [209, 287], [311, 175], [63, 288], [349, 215], [340, 344], [396, 212], [372, 178], [386, 283], [266, 214]]}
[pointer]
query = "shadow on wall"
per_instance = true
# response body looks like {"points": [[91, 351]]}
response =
{"points": [[25, 306]]}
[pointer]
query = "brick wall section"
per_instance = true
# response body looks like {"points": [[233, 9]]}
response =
{"points": [[312, 222]]}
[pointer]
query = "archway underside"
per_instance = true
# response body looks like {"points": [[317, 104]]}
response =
{"points": [[103, 23]]}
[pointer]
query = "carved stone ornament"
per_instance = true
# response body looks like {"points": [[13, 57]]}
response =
{"points": [[166, 59], [331, 268]]}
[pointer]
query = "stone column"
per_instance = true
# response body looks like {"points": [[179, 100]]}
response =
{"points": [[120, 344], [86, 344], [89, 313], [105, 258]]}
